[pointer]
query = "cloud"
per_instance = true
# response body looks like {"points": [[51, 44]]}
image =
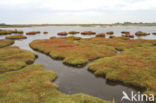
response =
{"points": [[76, 11], [77, 5], [14, 2], [141, 5]]}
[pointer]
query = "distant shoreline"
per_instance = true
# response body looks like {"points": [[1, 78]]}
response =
{"points": [[85, 25]]}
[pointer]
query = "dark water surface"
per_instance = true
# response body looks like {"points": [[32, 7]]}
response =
{"points": [[79, 80]]}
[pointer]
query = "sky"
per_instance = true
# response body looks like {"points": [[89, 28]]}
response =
{"points": [[76, 11]]}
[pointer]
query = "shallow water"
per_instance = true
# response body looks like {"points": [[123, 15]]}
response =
{"points": [[53, 30], [79, 80]]}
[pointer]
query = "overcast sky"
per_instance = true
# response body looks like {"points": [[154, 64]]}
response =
{"points": [[76, 11]]}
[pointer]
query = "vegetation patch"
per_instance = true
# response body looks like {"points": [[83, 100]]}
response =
{"points": [[100, 35], [125, 32], [135, 66], [74, 52], [154, 33], [140, 33], [32, 84], [128, 35], [79, 52], [20, 36], [73, 32], [6, 32], [13, 58], [73, 38], [33, 32], [111, 36], [122, 43], [68, 47], [17, 31], [110, 32], [62, 33], [88, 33], [5, 42], [45, 32]]}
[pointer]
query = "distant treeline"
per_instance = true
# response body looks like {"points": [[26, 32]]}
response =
{"points": [[126, 23], [114, 24]]}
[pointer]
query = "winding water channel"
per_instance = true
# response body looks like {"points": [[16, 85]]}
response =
{"points": [[74, 80]]}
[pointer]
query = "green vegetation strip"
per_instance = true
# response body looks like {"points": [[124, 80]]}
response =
{"points": [[32, 84], [13, 58], [5, 42]]}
